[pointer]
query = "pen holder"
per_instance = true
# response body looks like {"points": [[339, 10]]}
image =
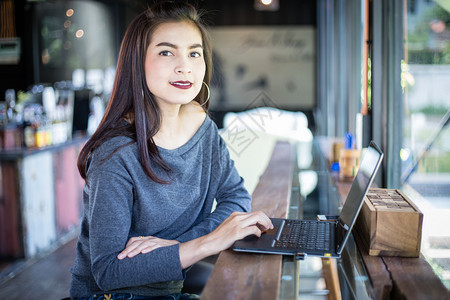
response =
{"points": [[336, 152], [349, 160], [390, 224]]}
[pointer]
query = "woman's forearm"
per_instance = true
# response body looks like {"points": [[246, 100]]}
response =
{"points": [[237, 226], [194, 251]]}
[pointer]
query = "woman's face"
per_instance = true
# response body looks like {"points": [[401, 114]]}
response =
{"points": [[174, 63]]}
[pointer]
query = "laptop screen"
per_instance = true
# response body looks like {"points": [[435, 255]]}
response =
{"points": [[363, 180]]}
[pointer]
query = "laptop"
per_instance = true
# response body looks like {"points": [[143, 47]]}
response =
{"points": [[321, 237]]}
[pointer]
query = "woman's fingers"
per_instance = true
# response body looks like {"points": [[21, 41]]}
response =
{"points": [[258, 218], [138, 246], [132, 244], [144, 245], [263, 222], [237, 226]]}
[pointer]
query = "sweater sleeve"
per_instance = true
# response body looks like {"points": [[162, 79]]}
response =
{"points": [[110, 216], [231, 196]]}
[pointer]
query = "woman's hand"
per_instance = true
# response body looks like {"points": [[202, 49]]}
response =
{"points": [[237, 226], [144, 244]]}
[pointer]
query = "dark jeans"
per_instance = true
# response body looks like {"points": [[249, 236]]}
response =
{"points": [[120, 296]]}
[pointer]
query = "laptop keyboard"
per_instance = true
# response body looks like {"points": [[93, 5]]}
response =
{"points": [[311, 235]]}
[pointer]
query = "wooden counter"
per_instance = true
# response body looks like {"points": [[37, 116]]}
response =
{"points": [[397, 277], [257, 276], [40, 198]]}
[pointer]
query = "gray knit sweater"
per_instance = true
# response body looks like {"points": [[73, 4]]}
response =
{"points": [[121, 202]]}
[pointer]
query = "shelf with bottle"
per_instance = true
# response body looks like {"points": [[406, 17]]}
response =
{"points": [[41, 117]]}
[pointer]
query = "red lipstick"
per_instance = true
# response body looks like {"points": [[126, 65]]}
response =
{"points": [[181, 84]]}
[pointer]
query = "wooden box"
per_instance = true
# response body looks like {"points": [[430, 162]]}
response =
{"points": [[390, 224]]}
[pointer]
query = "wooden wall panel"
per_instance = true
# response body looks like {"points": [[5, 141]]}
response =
{"points": [[10, 223], [38, 202], [68, 190]]}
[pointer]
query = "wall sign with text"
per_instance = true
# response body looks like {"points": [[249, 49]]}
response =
{"points": [[278, 61]]}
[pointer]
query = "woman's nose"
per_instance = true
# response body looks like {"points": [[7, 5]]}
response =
{"points": [[183, 66]]}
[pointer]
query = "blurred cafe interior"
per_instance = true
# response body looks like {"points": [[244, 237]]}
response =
{"points": [[327, 76]]}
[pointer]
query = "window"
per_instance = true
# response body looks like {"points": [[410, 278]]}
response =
{"points": [[425, 154]]}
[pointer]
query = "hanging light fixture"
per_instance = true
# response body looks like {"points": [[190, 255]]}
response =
{"points": [[267, 5]]}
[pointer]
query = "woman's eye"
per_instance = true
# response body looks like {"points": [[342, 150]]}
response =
{"points": [[195, 54], [165, 53]]}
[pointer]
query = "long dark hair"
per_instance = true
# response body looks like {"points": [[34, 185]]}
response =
{"points": [[131, 97]]}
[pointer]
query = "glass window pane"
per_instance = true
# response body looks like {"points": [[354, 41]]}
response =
{"points": [[426, 144]]}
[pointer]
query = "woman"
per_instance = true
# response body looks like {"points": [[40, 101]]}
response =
{"points": [[154, 167]]}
